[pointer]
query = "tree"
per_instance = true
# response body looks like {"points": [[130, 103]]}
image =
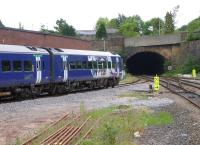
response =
{"points": [[194, 25], [183, 28], [101, 31], [154, 26], [169, 23], [147, 28], [1, 24], [64, 29], [45, 29], [193, 28], [101, 20], [129, 29], [114, 23]]}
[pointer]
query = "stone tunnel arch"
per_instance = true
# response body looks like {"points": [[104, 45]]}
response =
{"points": [[145, 63]]}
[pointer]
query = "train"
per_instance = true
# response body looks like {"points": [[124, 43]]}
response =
{"points": [[30, 71]]}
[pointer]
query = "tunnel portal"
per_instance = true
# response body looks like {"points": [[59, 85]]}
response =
{"points": [[145, 63]]}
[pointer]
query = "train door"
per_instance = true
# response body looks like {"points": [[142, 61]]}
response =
{"points": [[117, 65], [65, 68], [38, 70]]}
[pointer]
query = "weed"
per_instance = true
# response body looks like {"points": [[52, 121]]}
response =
{"points": [[128, 79]]}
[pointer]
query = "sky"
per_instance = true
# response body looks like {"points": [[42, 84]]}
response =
{"points": [[83, 14]]}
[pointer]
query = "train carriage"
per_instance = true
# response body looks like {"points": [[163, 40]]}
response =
{"points": [[30, 71], [22, 67]]}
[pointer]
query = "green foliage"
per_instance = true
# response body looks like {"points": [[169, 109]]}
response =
{"points": [[1, 24], [191, 63], [64, 29], [101, 31], [129, 28], [186, 68], [153, 26], [193, 29], [169, 23], [128, 79], [118, 127], [114, 23], [194, 25], [100, 112], [101, 21], [192, 36], [161, 118], [109, 133], [183, 28], [43, 28]]}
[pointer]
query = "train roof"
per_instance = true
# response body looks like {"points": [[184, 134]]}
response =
{"points": [[21, 49], [84, 52]]}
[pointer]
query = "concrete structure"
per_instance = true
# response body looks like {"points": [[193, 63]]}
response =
{"points": [[165, 45], [34, 38]]}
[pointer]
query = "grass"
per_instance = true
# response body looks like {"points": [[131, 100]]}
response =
{"points": [[118, 128], [114, 125], [128, 79], [139, 95]]}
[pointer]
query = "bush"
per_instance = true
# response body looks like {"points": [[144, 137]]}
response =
{"points": [[191, 63], [192, 36]]}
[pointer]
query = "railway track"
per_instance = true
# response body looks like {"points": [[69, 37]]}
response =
{"points": [[181, 88], [64, 135]]}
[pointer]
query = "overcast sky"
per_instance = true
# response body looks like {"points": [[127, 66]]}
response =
{"points": [[83, 14]]}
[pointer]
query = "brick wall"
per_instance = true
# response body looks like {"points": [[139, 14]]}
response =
{"points": [[111, 44], [34, 38]]}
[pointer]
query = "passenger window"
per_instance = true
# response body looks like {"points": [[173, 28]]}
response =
{"points": [[6, 66], [72, 65], [100, 65], [109, 65], [78, 65], [28, 66], [104, 65], [94, 65], [17, 66], [113, 65], [90, 65], [84, 65]]}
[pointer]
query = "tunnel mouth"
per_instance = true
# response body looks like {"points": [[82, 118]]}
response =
{"points": [[145, 63]]}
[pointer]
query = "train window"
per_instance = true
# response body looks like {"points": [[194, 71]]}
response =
{"points": [[113, 65], [17, 66], [78, 65], [6, 66], [28, 66], [94, 65], [72, 65], [100, 65], [104, 65], [109, 65], [90, 65], [84, 64]]}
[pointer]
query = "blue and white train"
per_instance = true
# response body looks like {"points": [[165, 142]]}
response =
{"points": [[30, 71]]}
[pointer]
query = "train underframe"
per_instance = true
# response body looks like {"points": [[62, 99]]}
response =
{"points": [[58, 88]]}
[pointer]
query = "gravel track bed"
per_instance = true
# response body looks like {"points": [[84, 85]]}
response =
{"points": [[185, 130], [20, 118], [25, 117]]}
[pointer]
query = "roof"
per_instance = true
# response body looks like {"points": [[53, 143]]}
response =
{"points": [[21, 49], [83, 52]]}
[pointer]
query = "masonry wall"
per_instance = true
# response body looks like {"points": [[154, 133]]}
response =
{"points": [[191, 48], [152, 40], [33, 38], [111, 44]]}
